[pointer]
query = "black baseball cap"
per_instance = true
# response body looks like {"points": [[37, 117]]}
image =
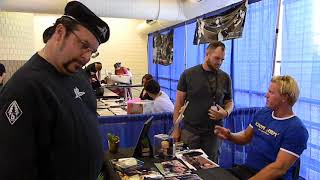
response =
{"points": [[84, 16]]}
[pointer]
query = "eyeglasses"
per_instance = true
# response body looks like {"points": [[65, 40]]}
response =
{"points": [[85, 46]]}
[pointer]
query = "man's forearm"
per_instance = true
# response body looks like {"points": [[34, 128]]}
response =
{"points": [[229, 107], [270, 172], [239, 138], [177, 107]]}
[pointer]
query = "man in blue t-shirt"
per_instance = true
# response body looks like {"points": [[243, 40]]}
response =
{"points": [[276, 135]]}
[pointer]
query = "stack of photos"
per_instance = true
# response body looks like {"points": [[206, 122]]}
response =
{"points": [[196, 159], [127, 164], [185, 177], [172, 168]]}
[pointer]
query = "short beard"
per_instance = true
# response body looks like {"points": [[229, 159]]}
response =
{"points": [[210, 66], [67, 64]]}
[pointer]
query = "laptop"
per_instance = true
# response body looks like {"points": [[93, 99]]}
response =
{"points": [[144, 137]]}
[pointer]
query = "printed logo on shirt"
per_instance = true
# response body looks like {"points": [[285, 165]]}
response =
{"points": [[13, 112], [78, 93], [266, 130]]}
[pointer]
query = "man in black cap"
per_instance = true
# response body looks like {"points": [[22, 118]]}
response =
{"points": [[48, 123]]}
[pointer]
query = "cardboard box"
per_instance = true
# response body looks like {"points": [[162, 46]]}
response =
{"points": [[142, 107]]}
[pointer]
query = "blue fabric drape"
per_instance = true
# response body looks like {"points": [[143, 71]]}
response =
{"points": [[301, 59], [249, 60], [152, 68], [168, 76], [194, 53], [177, 66], [185, 55], [238, 120], [128, 127], [254, 54]]}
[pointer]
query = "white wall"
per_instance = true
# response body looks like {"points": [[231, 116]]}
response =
{"points": [[40, 23], [16, 36], [16, 40], [125, 45]]}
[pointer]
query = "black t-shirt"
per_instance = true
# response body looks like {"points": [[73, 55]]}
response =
{"points": [[48, 125], [203, 89], [91, 70]]}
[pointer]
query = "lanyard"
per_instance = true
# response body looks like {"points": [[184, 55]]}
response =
{"points": [[210, 80]]}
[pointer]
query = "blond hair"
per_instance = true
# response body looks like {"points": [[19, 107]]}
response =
{"points": [[288, 86]]}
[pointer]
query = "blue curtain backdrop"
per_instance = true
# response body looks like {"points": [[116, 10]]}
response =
{"points": [[168, 76], [250, 61], [301, 59], [253, 54], [152, 68]]}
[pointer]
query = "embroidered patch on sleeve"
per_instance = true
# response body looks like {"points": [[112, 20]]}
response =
{"points": [[13, 112]]}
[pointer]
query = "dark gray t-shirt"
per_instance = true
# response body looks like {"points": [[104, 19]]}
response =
{"points": [[203, 89]]}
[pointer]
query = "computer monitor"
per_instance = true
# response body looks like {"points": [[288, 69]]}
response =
{"points": [[144, 141]]}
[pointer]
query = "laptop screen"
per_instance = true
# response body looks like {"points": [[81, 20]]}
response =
{"points": [[143, 137]]}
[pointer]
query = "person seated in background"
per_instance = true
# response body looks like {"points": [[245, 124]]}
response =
{"points": [[93, 70], [144, 95], [120, 70], [2, 75], [110, 82], [276, 135], [162, 102]]}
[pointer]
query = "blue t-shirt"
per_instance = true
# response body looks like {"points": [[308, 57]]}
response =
{"points": [[272, 134]]}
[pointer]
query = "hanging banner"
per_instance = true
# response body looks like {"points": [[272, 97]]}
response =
{"points": [[163, 48], [228, 25]]}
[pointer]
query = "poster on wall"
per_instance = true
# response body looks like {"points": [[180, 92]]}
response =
{"points": [[225, 26], [163, 48]]}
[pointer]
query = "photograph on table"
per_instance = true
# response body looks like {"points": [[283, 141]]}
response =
{"points": [[227, 25], [196, 159], [199, 162], [172, 168], [185, 177], [141, 173]]}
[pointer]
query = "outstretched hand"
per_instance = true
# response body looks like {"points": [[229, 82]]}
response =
{"points": [[222, 133]]}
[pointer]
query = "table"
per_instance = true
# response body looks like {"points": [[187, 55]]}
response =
{"points": [[111, 107], [108, 93], [206, 174], [125, 87]]}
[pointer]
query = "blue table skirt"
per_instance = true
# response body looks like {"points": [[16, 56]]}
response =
{"points": [[128, 127]]}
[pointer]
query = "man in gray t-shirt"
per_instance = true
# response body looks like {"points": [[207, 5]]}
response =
{"points": [[208, 90]]}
